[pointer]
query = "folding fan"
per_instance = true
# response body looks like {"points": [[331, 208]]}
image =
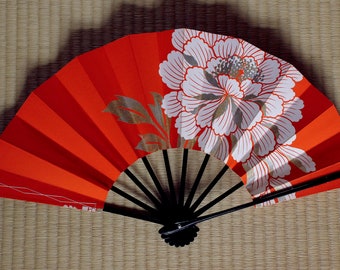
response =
{"points": [[144, 93]]}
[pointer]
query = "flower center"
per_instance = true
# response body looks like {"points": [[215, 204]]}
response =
{"points": [[239, 68]]}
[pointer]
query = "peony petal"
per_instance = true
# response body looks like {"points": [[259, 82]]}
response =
{"points": [[221, 150], [292, 109], [250, 89], [271, 104], [298, 157], [227, 48], [211, 38], [283, 88], [172, 103], [181, 36], [257, 175], [196, 84], [252, 51], [213, 144], [207, 112], [283, 129], [263, 138], [278, 164], [207, 140], [186, 125], [270, 69], [199, 51], [192, 104], [290, 71], [224, 124], [241, 145], [173, 70], [231, 86], [250, 113]]}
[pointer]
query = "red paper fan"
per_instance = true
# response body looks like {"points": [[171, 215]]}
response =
{"points": [[143, 93]]}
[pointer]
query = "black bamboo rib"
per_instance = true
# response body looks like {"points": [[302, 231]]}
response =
{"points": [[133, 200], [155, 180], [169, 177], [209, 188], [218, 199], [197, 181], [127, 213], [265, 198], [183, 178], [143, 188]]}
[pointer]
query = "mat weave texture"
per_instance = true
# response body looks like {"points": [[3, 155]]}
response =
{"points": [[38, 37]]}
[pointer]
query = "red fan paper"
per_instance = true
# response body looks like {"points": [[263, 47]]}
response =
{"points": [[78, 131]]}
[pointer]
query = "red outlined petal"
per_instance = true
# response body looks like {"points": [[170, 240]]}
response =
{"points": [[225, 124], [252, 51], [186, 125], [207, 140], [289, 70], [206, 114], [298, 157], [212, 64], [272, 105], [227, 48], [196, 84], [251, 113], [241, 145], [263, 138], [214, 145], [283, 89], [257, 175], [270, 69], [278, 164], [221, 150], [199, 50], [283, 129], [173, 70], [181, 36], [172, 103], [292, 109], [231, 86], [250, 89], [211, 38]]}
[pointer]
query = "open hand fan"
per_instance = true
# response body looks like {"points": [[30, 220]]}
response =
{"points": [[144, 93]]}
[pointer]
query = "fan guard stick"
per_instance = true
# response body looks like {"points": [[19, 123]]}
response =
{"points": [[182, 225]]}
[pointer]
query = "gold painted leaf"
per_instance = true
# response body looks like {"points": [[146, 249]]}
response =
{"points": [[298, 164], [129, 110], [150, 143], [220, 109], [207, 97], [157, 109], [210, 78], [190, 59], [237, 115]]}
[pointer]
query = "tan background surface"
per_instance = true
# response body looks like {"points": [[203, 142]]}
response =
{"points": [[38, 37]]}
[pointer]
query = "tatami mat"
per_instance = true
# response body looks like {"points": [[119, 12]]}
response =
{"points": [[38, 37]]}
